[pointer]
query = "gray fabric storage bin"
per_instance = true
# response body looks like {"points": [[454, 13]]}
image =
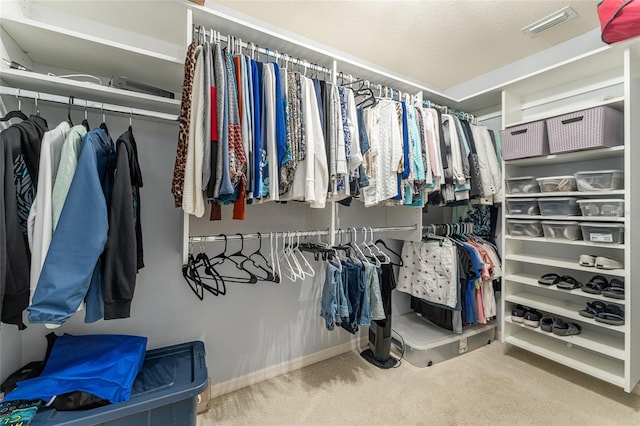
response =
{"points": [[527, 140], [593, 128]]}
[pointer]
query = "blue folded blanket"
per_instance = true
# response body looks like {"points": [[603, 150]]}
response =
{"points": [[102, 365]]}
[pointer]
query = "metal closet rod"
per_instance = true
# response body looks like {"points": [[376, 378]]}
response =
{"points": [[447, 110], [48, 97], [264, 235], [238, 43]]}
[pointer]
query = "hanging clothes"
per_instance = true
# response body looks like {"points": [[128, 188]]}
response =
{"points": [[72, 269], [430, 271], [385, 139], [177, 184], [66, 169], [40, 227], [193, 197], [123, 253], [16, 192]]}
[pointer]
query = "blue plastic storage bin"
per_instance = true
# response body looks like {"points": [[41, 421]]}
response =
{"points": [[164, 393]]}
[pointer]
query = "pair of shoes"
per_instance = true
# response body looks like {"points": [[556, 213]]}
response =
{"points": [[549, 279], [568, 283], [615, 290], [546, 323], [600, 262], [603, 262], [564, 282], [595, 285], [593, 309], [526, 316], [612, 315], [588, 260], [562, 328]]}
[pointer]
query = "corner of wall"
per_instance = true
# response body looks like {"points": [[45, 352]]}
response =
{"points": [[576, 46]]}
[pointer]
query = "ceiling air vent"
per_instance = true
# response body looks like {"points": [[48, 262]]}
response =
{"points": [[547, 22]]}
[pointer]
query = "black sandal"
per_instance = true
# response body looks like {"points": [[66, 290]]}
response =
{"points": [[549, 279], [615, 289], [568, 283], [596, 285]]}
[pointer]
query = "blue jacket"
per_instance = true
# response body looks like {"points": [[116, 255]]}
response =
{"points": [[71, 270]]}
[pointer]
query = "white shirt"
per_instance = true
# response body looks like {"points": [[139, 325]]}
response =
{"points": [[192, 195], [40, 222], [388, 151], [317, 171]]}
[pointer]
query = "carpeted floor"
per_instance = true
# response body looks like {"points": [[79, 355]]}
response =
{"points": [[482, 387]]}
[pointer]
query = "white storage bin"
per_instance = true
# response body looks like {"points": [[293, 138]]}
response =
{"points": [[557, 184], [521, 185], [524, 228], [601, 180], [527, 206], [559, 206], [612, 233], [561, 230], [597, 207]]}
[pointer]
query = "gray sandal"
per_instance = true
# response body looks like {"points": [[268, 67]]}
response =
{"points": [[562, 328]]}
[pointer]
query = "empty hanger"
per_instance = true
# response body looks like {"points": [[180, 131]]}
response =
{"points": [[15, 113], [252, 259], [220, 258], [85, 122], [379, 241]]}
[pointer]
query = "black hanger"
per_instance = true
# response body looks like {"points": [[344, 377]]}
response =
{"points": [[15, 113], [85, 122], [194, 285], [213, 275], [379, 241], [258, 253], [69, 110], [103, 125], [220, 258]]}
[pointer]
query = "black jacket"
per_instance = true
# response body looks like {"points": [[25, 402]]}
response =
{"points": [[123, 255], [20, 139]]}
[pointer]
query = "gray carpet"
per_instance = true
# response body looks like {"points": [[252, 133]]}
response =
{"points": [[483, 387]]}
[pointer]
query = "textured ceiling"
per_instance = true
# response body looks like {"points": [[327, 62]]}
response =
{"points": [[442, 43]]}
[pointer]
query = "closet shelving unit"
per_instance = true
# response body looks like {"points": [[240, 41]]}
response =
{"points": [[61, 38], [609, 76], [300, 216]]}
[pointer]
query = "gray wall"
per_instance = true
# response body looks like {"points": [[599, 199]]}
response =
{"points": [[252, 327]]}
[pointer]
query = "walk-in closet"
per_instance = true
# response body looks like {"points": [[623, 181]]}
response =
{"points": [[232, 212]]}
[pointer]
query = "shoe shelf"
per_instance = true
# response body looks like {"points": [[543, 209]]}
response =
{"points": [[560, 263], [576, 194], [608, 77], [532, 280], [576, 218], [560, 308], [565, 242], [597, 342], [602, 367]]}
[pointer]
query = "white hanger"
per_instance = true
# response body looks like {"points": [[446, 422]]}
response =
{"points": [[386, 258], [373, 256], [309, 269], [275, 260], [356, 247]]}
